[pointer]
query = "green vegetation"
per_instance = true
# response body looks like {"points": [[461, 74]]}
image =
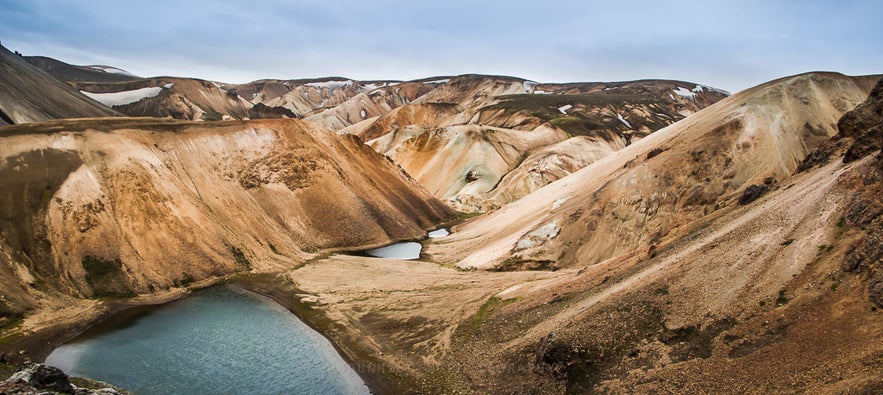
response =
{"points": [[241, 260], [547, 105], [841, 223], [186, 279], [577, 122], [106, 277], [492, 305], [787, 242], [463, 216], [663, 290], [825, 248], [211, 115]]}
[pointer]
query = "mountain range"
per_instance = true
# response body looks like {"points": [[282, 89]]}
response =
{"points": [[639, 236]]}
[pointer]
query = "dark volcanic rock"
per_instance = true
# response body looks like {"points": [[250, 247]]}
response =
{"points": [[816, 157], [262, 111], [43, 377], [875, 291], [864, 125], [40, 378], [866, 252], [752, 193]]}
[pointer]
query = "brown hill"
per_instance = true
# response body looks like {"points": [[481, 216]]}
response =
{"points": [[28, 94], [122, 207]]}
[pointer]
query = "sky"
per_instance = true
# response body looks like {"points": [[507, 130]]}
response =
{"points": [[732, 45]]}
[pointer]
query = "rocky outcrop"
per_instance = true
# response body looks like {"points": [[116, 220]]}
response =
{"points": [[863, 129], [864, 126], [44, 379], [262, 111]]}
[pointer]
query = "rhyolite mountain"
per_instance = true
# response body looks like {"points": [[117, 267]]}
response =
{"points": [[498, 138], [640, 237], [697, 259]]}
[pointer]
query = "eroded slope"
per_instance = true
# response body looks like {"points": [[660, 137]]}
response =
{"points": [[131, 206]]}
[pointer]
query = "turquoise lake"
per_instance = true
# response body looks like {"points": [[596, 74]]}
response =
{"points": [[217, 341]]}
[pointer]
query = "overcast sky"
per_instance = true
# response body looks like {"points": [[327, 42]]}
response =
{"points": [[729, 44]]}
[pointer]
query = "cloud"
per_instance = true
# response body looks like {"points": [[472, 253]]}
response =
{"points": [[732, 45]]}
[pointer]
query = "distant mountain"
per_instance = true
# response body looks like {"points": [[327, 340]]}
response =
{"points": [[172, 97], [508, 136], [70, 73], [28, 94], [479, 142]]}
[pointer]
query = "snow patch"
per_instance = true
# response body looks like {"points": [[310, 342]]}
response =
{"points": [[564, 108], [331, 85], [721, 91], [363, 113], [539, 92], [444, 81], [168, 86], [561, 201], [371, 87], [685, 93], [528, 85], [540, 235], [124, 97], [698, 88], [112, 70], [621, 119]]}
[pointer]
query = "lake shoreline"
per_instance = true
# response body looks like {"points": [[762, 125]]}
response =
{"points": [[273, 286], [371, 369]]}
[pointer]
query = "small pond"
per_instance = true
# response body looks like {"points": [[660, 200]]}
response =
{"points": [[405, 250], [442, 232]]}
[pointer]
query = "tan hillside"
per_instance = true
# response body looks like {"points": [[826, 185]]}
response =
{"points": [[701, 288], [131, 206], [667, 180], [520, 128]]}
